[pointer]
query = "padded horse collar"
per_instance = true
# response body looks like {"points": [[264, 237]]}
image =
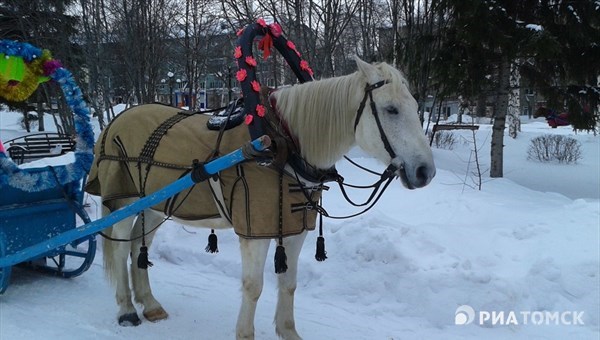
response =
{"points": [[297, 162], [369, 94]]}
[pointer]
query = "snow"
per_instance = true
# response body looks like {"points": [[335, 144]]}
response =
{"points": [[534, 27], [527, 242]]}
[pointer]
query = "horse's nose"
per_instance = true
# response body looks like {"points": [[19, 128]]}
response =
{"points": [[424, 174]]}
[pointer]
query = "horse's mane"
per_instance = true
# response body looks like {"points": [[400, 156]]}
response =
{"points": [[321, 113]]}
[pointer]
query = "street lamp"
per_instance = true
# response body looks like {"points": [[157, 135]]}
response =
{"points": [[178, 81], [225, 78], [170, 75], [162, 88], [229, 84]]}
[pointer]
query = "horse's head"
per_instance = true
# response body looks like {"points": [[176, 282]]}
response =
{"points": [[388, 127]]}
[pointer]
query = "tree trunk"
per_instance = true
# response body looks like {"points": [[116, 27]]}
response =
{"points": [[514, 101], [500, 108], [481, 106], [40, 111]]}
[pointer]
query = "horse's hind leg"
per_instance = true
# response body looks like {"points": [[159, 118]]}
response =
{"points": [[153, 311], [115, 265], [254, 254], [285, 325]]}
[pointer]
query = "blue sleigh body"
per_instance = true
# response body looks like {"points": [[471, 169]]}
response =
{"points": [[29, 218]]}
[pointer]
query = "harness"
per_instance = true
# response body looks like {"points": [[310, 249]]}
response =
{"points": [[369, 94]]}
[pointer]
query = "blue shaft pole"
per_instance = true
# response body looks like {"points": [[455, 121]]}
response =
{"points": [[181, 184]]}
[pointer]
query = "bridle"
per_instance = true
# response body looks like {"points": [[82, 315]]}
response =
{"points": [[386, 144], [386, 177]]}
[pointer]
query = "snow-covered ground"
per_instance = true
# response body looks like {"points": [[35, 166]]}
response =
{"points": [[526, 244]]}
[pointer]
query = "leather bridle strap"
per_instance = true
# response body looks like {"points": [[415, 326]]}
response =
{"points": [[369, 94]]}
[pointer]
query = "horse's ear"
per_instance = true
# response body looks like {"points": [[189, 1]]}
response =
{"points": [[369, 71]]}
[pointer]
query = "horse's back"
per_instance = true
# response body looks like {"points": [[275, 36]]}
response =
{"points": [[169, 136], [106, 143]]}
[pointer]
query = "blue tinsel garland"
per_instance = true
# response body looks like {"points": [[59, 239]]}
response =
{"points": [[11, 174], [18, 49]]}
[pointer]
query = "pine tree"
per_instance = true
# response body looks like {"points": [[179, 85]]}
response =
{"points": [[474, 60], [556, 45], [564, 58]]}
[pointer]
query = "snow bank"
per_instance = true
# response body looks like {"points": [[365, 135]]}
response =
{"points": [[525, 243]]}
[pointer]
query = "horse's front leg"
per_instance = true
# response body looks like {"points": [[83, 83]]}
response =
{"points": [[254, 254], [285, 325]]}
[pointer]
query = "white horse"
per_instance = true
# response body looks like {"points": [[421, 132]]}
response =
{"points": [[371, 107]]}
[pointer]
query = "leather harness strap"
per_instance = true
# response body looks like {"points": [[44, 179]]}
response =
{"points": [[369, 94]]}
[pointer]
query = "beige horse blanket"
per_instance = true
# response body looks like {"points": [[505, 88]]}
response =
{"points": [[250, 191]]}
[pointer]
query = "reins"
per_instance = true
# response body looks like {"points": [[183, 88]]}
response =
{"points": [[385, 179]]}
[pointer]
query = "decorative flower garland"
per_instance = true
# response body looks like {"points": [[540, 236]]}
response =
{"points": [[246, 75], [39, 66]]}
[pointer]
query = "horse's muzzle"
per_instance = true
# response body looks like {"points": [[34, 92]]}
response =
{"points": [[417, 177]]}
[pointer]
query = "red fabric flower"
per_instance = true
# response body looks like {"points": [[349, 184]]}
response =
{"points": [[292, 46], [260, 110], [276, 30], [251, 61], [248, 119], [238, 52], [240, 32], [261, 22], [241, 75], [304, 66], [255, 85]]}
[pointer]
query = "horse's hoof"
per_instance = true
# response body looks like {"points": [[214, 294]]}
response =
{"points": [[128, 320], [156, 315]]}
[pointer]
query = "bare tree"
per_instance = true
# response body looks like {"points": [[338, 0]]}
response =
{"points": [[95, 35], [143, 29], [201, 32]]}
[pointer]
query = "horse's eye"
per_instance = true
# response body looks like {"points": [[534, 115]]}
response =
{"points": [[391, 110]]}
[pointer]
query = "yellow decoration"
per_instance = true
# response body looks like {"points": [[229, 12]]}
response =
{"points": [[28, 75], [12, 67]]}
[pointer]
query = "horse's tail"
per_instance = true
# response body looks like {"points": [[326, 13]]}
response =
{"points": [[92, 186]]}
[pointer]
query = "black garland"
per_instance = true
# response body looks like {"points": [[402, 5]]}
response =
{"points": [[254, 111], [272, 36]]}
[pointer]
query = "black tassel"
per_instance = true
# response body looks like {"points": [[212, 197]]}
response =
{"points": [[321, 254], [142, 261], [280, 260], [212, 243]]}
